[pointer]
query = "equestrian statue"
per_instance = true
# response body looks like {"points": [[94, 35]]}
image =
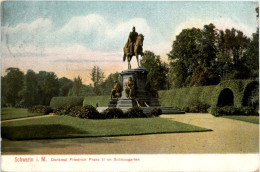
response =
{"points": [[133, 47]]}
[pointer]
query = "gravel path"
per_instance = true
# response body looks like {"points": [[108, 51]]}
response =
{"points": [[25, 118], [228, 136]]}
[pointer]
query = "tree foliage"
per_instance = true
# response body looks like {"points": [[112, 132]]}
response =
{"points": [[77, 86], [13, 84], [65, 85], [205, 56], [157, 69], [108, 84], [97, 77]]}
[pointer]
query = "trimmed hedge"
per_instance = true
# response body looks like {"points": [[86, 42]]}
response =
{"points": [[101, 101], [238, 87], [199, 99], [66, 101], [187, 98]]}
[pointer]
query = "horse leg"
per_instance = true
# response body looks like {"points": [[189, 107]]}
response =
{"points": [[129, 64], [137, 61]]}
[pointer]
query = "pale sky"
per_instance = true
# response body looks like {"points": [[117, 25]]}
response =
{"points": [[69, 38]]}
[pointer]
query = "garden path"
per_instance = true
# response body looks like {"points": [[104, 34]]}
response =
{"points": [[25, 118]]}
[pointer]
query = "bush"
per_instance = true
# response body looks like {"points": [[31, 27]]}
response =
{"points": [[92, 113], [113, 113], [40, 109], [197, 107], [135, 113], [63, 110], [231, 110], [66, 101], [77, 111], [155, 112]]}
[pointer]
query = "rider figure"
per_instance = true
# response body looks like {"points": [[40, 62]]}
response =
{"points": [[131, 41]]}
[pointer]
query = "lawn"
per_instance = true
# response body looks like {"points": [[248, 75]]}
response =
{"points": [[69, 127], [13, 113], [251, 119]]}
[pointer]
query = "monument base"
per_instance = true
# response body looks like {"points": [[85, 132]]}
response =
{"points": [[142, 98]]}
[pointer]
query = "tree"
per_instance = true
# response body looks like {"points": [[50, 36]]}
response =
{"points": [[3, 92], [65, 85], [204, 75], [108, 84], [185, 56], [31, 91], [50, 86], [13, 85], [77, 86], [97, 77], [252, 53], [158, 70], [209, 45]]}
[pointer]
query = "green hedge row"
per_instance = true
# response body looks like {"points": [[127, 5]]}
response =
{"points": [[66, 101], [185, 98], [193, 98], [101, 101], [238, 88]]}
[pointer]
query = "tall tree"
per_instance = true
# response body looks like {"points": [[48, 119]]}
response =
{"points": [[156, 68], [97, 76], [31, 91], [3, 92], [77, 86], [252, 53], [185, 56], [50, 87], [65, 85], [14, 84]]}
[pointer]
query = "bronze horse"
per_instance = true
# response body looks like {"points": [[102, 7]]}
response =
{"points": [[138, 50]]}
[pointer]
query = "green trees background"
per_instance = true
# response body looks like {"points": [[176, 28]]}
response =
{"points": [[198, 57]]}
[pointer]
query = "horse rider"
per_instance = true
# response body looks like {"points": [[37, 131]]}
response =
{"points": [[131, 41]]}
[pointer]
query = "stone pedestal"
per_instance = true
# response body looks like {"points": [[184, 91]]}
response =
{"points": [[142, 97]]}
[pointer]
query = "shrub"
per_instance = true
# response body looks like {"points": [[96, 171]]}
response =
{"points": [[66, 101], [135, 113], [113, 113], [77, 111], [155, 112], [92, 113], [199, 107], [40, 109], [231, 110], [63, 110]]}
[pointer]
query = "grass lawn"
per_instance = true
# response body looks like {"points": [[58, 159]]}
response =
{"points": [[13, 113], [251, 119], [68, 127]]}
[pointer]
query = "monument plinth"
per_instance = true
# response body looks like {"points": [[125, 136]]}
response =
{"points": [[142, 97]]}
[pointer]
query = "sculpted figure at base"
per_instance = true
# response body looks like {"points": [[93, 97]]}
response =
{"points": [[133, 47], [129, 89], [116, 91]]}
